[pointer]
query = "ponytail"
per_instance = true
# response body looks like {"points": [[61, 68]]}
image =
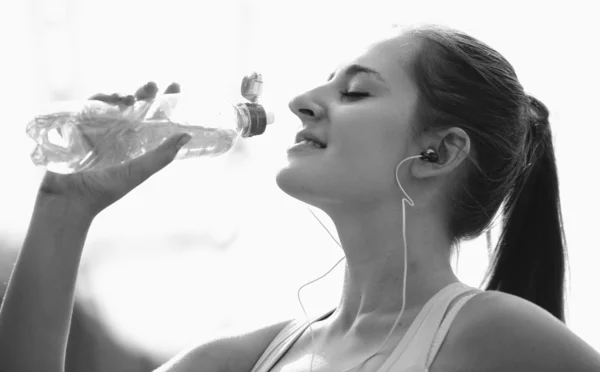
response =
{"points": [[529, 259], [464, 82]]}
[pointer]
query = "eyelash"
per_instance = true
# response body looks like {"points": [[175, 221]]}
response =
{"points": [[349, 94]]}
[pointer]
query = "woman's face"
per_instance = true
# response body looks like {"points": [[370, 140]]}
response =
{"points": [[364, 115]]}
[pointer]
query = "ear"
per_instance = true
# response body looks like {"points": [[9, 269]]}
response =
{"points": [[452, 147]]}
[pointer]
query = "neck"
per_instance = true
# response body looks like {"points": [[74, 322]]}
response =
{"points": [[372, 240]]}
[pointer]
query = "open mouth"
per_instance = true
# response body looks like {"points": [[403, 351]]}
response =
{"points": [[308, 140], [309, 145], [315, 144]]}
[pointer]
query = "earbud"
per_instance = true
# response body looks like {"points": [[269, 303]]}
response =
{"points": [[429, 155]]}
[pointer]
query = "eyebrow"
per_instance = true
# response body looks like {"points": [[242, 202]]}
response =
{"points": [[355, 69]]}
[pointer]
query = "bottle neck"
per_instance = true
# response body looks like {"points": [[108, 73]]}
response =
{"points": [[252, 119]]}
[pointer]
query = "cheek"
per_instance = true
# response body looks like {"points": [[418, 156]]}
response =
{"points": [[367, 161], [368, 143], [365, 147]]}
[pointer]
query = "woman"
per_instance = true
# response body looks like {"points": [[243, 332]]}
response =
{"points": [[432, 117]]}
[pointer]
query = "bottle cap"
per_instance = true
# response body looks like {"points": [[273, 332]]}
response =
{"points": [[252, 86], [257, 119], [270, 117]]}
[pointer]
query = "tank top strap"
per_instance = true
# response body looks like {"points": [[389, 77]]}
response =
{"points": [[265, 362], [419, 354], [408, 352], [441, 333], [284, 339]]}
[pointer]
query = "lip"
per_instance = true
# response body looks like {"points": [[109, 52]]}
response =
{"points": [[307, 134], [305, 148]]}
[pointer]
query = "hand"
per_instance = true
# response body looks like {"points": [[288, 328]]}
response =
{"points": [[95, 190]]}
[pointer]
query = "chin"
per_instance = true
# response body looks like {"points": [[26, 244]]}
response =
{"points": [[308, 187], [299, 184], [295, 183]]}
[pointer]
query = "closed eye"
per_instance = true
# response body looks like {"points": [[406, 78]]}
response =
{"points": [[356, 94]]}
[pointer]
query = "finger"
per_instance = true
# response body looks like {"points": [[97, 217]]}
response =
{"points": [[173, 89], [142, 168], [108, 98], [127, 100], [146, 92]]}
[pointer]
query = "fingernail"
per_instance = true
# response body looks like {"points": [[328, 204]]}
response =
{"points": [[151, 87], [183, 140], [173, 88]]}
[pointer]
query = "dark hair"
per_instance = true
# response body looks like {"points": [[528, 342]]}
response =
{"points": [[465, 83]]}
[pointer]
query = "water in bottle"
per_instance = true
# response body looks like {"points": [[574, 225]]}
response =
{"points": [[78, 136]]}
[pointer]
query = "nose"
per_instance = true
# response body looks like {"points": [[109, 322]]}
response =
{"points": [[306, 108]]}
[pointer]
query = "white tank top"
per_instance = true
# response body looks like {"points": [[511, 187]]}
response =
{"points": [[416, 350]]}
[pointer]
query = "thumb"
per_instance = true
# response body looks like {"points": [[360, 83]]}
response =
{"points": [[140, 169]]}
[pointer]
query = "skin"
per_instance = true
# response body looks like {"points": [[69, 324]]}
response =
{"points": [[354, 182], [38, 304]]}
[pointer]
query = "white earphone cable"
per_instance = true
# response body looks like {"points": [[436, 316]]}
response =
{"points": [[410, 202]]}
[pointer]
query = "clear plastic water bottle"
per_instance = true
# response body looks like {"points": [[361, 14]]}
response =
{"points": [[76, 136]]}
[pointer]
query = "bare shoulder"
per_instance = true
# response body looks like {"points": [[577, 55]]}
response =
{"points": [[496, 331], [236, 352]]}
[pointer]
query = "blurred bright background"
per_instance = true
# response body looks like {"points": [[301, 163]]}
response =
{"points": [[213, 246]]}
